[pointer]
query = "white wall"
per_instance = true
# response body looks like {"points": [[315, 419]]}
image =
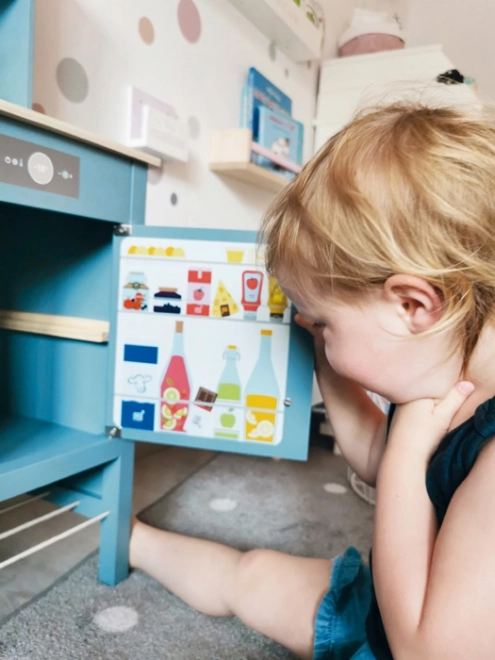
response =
{"points": [[465, 29], [202, 79]]}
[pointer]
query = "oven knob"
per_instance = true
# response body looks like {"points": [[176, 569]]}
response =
{"points": [[40, 168]]}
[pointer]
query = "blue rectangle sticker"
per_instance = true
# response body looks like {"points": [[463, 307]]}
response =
{"points": [[144, 354]]}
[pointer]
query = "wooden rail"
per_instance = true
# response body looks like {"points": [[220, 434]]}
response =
{"points": [[69, 327]]}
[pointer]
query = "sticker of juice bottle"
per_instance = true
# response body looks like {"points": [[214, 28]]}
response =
{"points": [[277, 300], [229, 390], [262, 395], [175, 389]]}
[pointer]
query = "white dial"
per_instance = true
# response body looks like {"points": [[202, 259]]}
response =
{"points": [[40, 168]]}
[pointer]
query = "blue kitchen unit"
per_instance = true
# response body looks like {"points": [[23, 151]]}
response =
{"points": [[112, 332], [63, 192]]}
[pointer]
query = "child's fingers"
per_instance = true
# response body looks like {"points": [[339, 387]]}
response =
{"points": [[448, 407], [314, 330], [304, 323]]}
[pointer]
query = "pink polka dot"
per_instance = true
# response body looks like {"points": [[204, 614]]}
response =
{"points": [[155, 175], [146, 30], [189, 20], [39, 108]]}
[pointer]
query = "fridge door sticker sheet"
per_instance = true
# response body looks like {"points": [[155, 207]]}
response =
{"points": [[202, 341]]}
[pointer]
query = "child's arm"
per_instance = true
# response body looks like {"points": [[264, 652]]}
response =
{"points": [[358, 424], [436, 590]]}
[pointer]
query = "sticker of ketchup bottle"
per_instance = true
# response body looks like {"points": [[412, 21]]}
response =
{"points": [[252, 281], [175, 390]]}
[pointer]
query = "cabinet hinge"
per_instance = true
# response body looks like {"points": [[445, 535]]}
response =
{"points": [[122, 230], [113, 431]]}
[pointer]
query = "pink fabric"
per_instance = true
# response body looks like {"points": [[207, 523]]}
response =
{"points": [[370, 43]]}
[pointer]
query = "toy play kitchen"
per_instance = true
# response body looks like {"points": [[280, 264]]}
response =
{"points": [[113, 332]]}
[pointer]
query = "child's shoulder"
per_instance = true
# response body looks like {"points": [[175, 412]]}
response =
{"points": [[457, 455]]}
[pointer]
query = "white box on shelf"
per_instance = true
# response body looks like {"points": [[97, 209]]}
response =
{"points": [[154, 126], [162, 135], [287, 25]]}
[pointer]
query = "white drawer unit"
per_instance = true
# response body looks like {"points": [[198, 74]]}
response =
{"points": [[350, 83]]}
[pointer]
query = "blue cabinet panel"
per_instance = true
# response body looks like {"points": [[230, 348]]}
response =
{"points": [[16, 51], [54, 264], [109, 187]]}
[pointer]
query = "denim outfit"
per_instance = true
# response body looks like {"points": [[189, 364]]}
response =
{"points": [[348, 623]]}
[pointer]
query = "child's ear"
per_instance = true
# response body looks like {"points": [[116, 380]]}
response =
{"points": [[418, 303]]}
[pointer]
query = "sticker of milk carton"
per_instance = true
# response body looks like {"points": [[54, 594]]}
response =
{"points": [[198, 292]]}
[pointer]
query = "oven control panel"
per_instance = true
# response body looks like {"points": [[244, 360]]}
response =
{"points": [[30, 165]]}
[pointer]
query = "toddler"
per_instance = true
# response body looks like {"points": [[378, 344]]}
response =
{"points": [[385, 243]]}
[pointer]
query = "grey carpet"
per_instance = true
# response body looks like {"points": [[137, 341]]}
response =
{"points": [[287, 506]]}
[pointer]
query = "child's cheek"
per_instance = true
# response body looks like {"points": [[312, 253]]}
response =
{"points": [[349, 366]]}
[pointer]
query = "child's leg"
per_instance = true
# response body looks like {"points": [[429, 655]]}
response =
{"points": [[276, 594]]}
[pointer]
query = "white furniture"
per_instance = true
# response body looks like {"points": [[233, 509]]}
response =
{"points": [[286, 24], [349, 83]]}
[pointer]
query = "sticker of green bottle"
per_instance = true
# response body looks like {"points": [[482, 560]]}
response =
{"points": [[228, 420]]}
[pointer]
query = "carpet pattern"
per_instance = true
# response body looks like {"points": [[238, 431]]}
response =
{"points": [[306, 509]]}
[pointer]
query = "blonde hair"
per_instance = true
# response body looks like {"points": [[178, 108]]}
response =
{"points": [[403, 188]]}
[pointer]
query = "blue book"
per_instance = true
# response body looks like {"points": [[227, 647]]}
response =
{"points": [[282, 135], [258, 93]]}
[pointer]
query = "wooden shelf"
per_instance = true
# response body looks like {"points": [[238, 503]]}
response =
{"points": [[69, 327], [231, 156], [249, 173], [286, 25], [68, 130]]}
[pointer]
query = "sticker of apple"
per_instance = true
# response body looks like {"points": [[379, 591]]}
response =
{"points": [[198, 294], [227, 420]]}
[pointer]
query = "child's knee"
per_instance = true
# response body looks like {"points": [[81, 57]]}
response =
{"points": [[253, 569]]}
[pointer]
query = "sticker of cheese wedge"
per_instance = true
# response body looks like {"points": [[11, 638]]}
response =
{"points": [[224, 304]]}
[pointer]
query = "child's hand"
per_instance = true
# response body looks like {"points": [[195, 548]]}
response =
{"points": [[315, 329], [423, 423]]}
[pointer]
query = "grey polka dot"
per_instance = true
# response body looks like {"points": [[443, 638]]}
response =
{"points": [[308, 65], [286, 73], [194, 128], [72, 80], [174, 199], [272, 52]]}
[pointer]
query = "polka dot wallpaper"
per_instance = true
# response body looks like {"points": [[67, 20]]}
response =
{"points": [[72, 80], [146, 30], [191, 54]]}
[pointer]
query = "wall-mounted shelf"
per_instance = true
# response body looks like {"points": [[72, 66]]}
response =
{"points": [[287, 25], [231, 156], [69, 327]]}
